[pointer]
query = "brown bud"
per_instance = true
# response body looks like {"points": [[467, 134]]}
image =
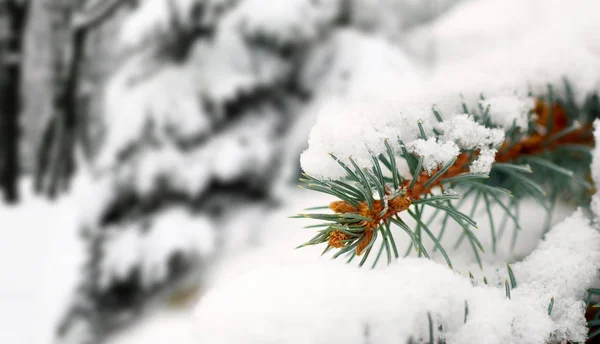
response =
{"points": [[342, 207], [365, 240], [336, 239], [399, 204]]}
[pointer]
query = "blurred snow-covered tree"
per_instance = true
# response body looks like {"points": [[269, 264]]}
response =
{"points": [[204, 122]]}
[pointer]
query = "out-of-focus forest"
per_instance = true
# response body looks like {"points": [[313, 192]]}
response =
{"points": [[144, 141]]}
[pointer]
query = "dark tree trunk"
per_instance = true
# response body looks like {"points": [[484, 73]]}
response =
{"points": [[13, 15]]}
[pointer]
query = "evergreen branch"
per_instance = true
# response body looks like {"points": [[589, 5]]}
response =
{"points": [[370, 201]]}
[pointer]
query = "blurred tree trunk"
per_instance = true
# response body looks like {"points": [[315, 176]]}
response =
{"points": [[70, 26], [55, 162], [13, 16]]}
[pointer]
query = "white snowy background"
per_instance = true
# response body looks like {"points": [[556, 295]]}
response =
{"points": [[387, 67]]}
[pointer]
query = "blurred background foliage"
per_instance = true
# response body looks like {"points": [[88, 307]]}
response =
{"points": [[174, 116]]}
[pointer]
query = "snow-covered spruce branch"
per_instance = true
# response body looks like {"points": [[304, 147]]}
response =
{"points": [[467, 152]]}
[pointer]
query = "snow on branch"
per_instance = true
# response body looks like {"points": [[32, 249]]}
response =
{"points": [[505, 78], [155, 18], [150, 249], [166, 106]]}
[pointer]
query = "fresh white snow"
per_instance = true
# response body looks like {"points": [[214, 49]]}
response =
{"points": [[435, 154], [42, 256], [507, 111], [149, 249], [545, 52]]}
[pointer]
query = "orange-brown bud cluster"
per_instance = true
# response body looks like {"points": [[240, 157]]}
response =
{"points": [[341, 207], [395, 206], [365, 241], [336, 239]]}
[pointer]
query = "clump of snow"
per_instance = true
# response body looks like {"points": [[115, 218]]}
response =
{"points": [[508, 110], [484, 162], [164, 107], [227, 65], [469, 134], [548, 260], [166, 166], [150, 167], [155, 18], [345, 135], [435, 154], [152, 17], [248, 148], [149, 249], [361, 138], [363, 135], [563, 266], [356, 77]]}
